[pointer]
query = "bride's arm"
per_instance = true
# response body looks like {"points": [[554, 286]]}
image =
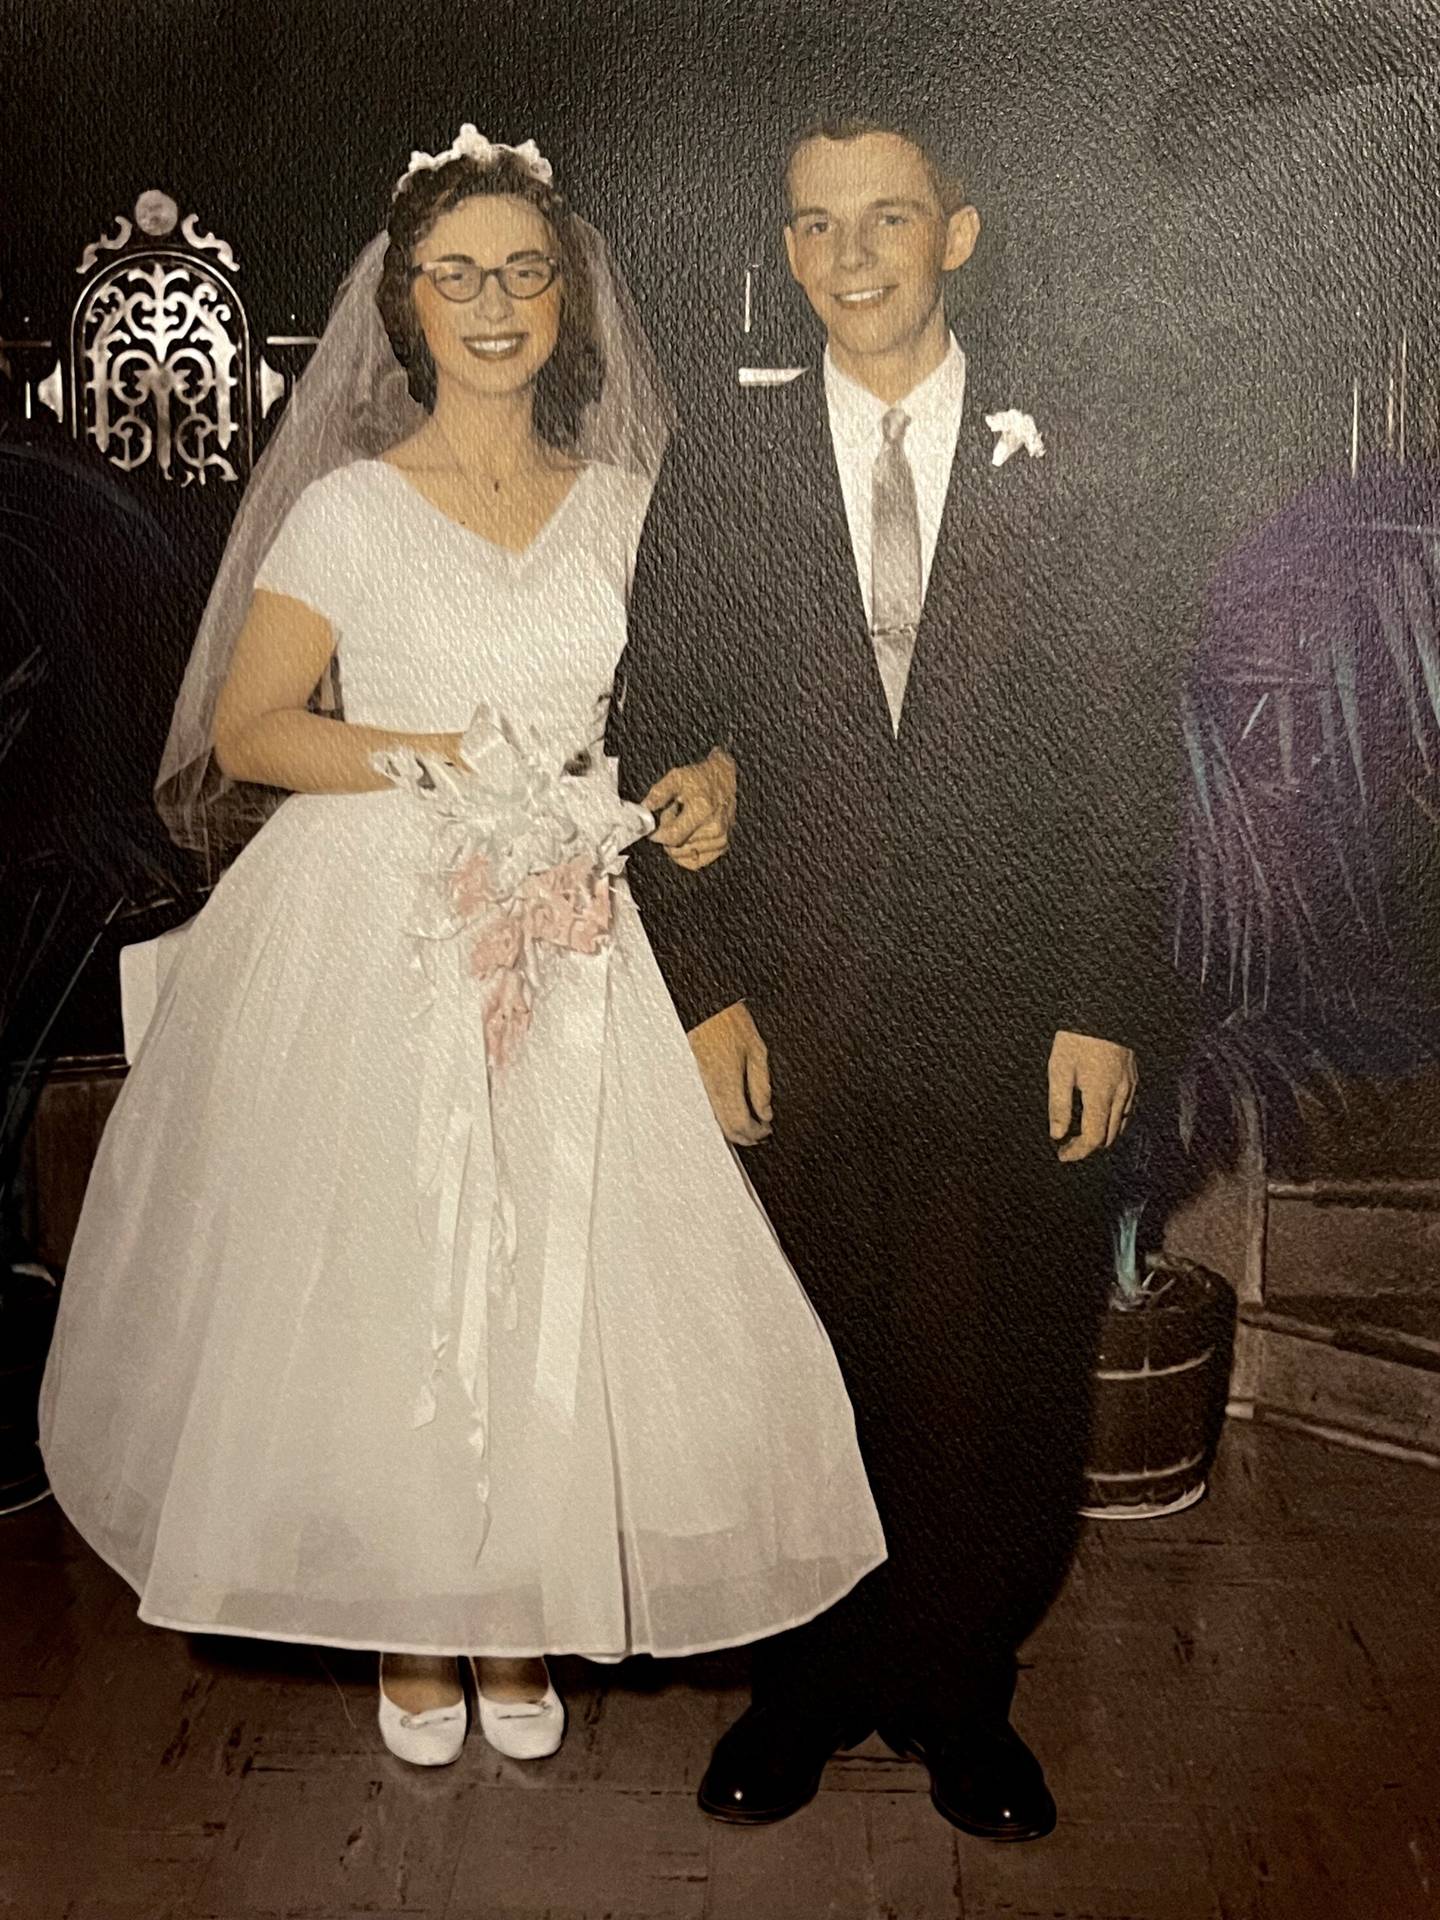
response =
{"points": [[263, 732]]}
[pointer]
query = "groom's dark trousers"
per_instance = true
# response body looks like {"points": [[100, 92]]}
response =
{"points": [[910, 920]]}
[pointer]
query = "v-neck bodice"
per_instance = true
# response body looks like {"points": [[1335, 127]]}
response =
{"points": [[431, 618], [538, 541]]}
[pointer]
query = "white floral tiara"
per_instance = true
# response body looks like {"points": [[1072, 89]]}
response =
{"points": [[471, 144]]}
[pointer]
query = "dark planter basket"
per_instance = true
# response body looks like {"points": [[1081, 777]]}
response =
{"points": [[1161, 1381], [28, 1299]]}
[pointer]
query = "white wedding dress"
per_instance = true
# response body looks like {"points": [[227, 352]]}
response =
{"points": [[366, 1342]]}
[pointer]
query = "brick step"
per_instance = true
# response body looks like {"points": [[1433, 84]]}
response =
{"points": [[1401, 1327], [1352, 1237], [1359, 1370]]}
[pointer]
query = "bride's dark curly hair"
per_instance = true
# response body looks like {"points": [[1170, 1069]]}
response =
{"points": [[571, 379]]}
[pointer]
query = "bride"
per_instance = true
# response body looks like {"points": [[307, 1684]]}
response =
{"points": [[418, 1304]]}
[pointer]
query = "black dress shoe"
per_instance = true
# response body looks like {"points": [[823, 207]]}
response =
{"points": [[769, 1765], [984, 1780]]}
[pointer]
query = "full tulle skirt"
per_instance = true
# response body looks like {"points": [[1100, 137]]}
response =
{"points": [[364, 1341]]}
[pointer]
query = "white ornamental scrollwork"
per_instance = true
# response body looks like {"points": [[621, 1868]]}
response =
{"points": [[160, 355], [50, 391], [207, 243], [107, 243]]}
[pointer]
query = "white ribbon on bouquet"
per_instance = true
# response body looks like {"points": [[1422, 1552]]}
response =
{"points": [[516, 883]]}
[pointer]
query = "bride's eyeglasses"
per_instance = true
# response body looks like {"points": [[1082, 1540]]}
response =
{"points": [[459, 278]]}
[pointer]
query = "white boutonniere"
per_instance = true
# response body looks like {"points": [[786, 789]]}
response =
{"points": [[1013, 430]]}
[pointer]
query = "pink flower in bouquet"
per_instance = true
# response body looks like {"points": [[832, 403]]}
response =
{"points": [[569, 906], [507, 1016], [566, 907], [472, 886], [497, 945]]}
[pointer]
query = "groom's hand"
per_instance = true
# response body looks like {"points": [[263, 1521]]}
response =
{"points": [[695, 806], [734, 1063], [1105, 1076]]}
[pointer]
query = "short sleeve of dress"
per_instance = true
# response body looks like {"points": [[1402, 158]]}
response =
{"points": [[628, 498], [313, 557]]}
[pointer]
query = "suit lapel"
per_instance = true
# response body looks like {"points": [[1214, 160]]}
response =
{"points": [[976, 577], [815, 484], [813, 501], [956, 551], [953, 547]]}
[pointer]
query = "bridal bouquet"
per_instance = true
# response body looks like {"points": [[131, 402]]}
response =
{"points": [[524, 853]]}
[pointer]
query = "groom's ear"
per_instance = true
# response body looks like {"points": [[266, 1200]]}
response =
{"points": [[790, 249], [962, 230]]}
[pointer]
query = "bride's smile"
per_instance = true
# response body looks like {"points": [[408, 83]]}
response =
{"points": [[489, 295], [496, 346]]}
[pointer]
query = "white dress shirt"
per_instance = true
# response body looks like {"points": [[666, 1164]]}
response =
{"points": [[934, 407]]}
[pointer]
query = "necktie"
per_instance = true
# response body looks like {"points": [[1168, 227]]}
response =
{"points": [[895, 574]]}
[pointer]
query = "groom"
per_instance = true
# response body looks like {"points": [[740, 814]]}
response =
{"points": [[938, 934]]}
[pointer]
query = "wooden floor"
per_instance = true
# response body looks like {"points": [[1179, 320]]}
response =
{"points": [[1239, 1709]]}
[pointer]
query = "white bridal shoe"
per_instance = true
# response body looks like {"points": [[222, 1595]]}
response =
{"points": [[522, 1729], [430, 1739]]}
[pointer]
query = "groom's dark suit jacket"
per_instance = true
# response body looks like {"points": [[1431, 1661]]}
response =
{"points": [[999, 872], [911, 920]]}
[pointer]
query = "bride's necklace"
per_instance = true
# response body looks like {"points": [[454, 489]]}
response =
{"points": [[480, 484], [479, 480], [473, 480]]}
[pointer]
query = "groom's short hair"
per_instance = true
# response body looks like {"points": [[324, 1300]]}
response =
{"points": [[948, 185]]}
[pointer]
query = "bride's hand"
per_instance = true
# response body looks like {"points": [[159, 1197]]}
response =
{"points": [[695, 806]]}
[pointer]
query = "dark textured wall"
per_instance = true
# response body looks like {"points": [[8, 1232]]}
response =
{"points": [[1245, 184], [1209, 219]]}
